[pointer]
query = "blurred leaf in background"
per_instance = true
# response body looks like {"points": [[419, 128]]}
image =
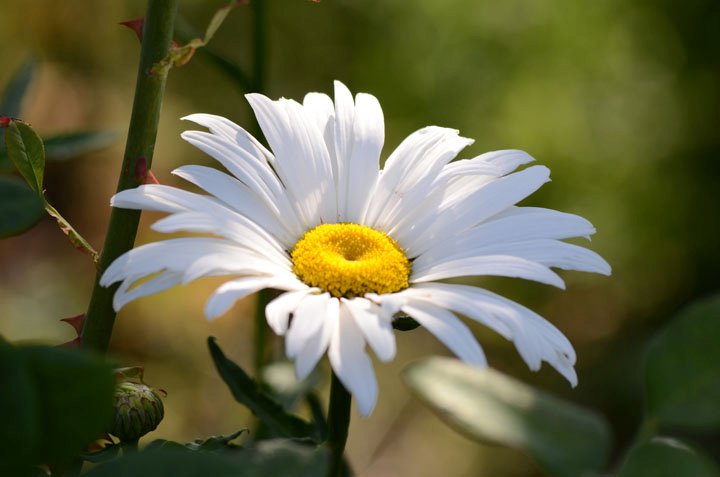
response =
{"points": [[55, 403]]}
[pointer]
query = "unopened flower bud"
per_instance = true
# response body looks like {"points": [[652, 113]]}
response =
{"points": [[138, 410]]}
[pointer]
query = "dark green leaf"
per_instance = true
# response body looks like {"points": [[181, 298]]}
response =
{"points": [[247, 392], [276, 458], [20, 207], [664, 457], [683, 370], [26, 151], [168, 461], [486, 405], [68, 146], [55, 403], [217, 443], [284, 458], [11, 103]]}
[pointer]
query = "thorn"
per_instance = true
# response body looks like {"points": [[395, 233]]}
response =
{"points": [[135, 25], [76, 343], [76, 322], [142, 174], [151, 179]]}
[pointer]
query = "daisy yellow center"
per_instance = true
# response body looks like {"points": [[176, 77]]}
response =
{"points": [[350, 260]]}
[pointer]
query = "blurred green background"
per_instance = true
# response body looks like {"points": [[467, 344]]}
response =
{"points": [[620, 98]]}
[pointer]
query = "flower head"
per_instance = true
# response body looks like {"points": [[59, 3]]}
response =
{"points": [[353, 244]]}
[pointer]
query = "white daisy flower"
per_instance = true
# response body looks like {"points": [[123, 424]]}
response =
{"points": [[352, 244]]}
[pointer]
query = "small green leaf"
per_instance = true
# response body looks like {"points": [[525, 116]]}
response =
{"points": [[11, 103], [217, 20], [683, 370], [664, 457], [247, 392], [276, 458], [217, 443], [284, 458], [170, 461], [26, 151], [486, 405], [70, 145], [20, 207], [55, 402]]}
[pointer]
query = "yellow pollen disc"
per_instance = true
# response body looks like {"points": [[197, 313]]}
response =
{"points": [[350, 260]]}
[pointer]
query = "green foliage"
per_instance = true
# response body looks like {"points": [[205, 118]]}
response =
{"points": [[62, 147], [485, 405], [55, 402], [20, 207], [26, 151], [11, 102], [211, 444], [683, 370], [276, 457], [247, 392], [664, 457]]}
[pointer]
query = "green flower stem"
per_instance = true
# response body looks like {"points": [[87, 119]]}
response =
{"points": [[338, 424], [120, 237]]}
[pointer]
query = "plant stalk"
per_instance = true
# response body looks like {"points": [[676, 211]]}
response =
{"points": [[120, 237], [338, 424]]}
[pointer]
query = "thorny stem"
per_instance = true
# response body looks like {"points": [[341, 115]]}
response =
{"points": [[338, 424], [120, 237]]}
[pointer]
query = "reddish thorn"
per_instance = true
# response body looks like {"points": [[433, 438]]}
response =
{"points": [[142, 174], [135, 25], [76, 322], [151, 179], [5, 121], [174, 45], [76, 343], [141, 170]]}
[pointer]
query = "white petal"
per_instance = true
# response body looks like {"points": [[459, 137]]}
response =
{"points": [[351, 363], [229, 130], [239, 197], [364, 162], [251, 168], [473, 206], [243, 232], [228, 293], [535, 338], [125, 294], [344, 120], [514, 225], [378, 330], [409, 171], [301, 157], [307, 320], [316, 346], [173, 255], [491, 265], [160, 198], [506, 160], [279, 310], [551, 253], [448, 329]]}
